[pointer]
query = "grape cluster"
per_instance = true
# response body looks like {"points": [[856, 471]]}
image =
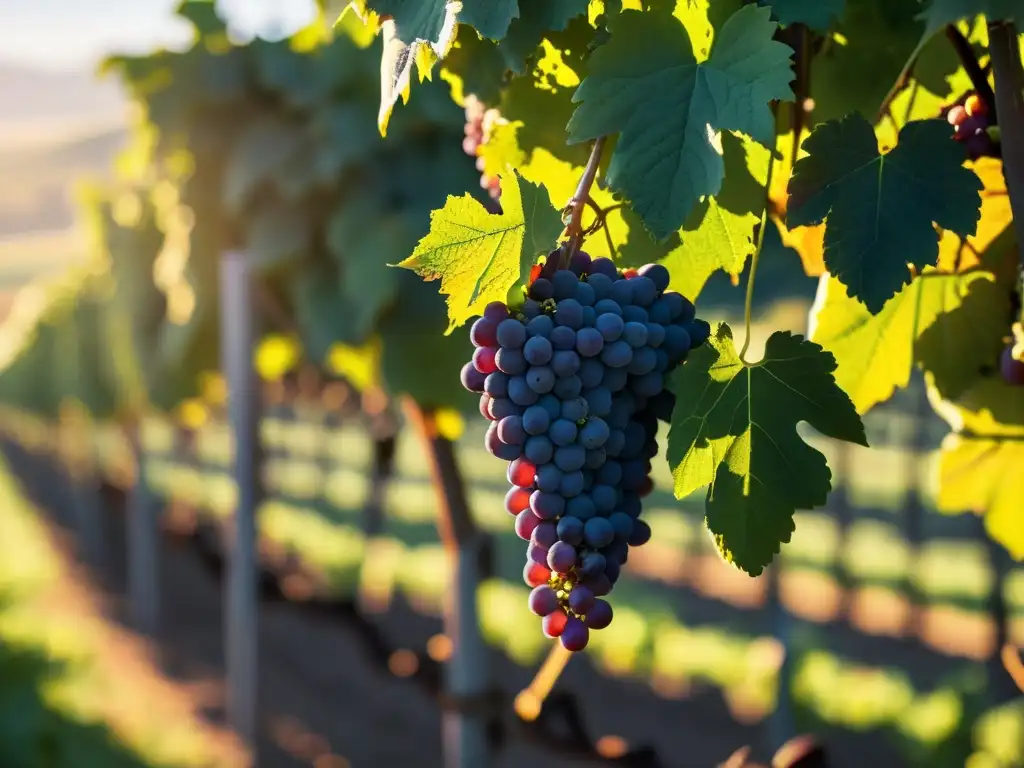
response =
{"points": [[971, 123], [479, 122], [573, 383]]}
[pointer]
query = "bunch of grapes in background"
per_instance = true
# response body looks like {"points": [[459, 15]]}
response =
{"points": [[479, 122], [971, 123], [573, 382]]}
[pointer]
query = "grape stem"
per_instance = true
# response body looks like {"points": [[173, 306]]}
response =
{"points": [[748, 304], [972, 68], [1009, 96], [574, 229]]}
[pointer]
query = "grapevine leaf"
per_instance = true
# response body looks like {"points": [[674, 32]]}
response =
{"points": [[719, 233], [202, 15], [478, 256], [939, 13], [536, 19], [474, 66], [880, 208], [264, 148], [491, 18], [952, 325], [277, 234], [734, 429], [816, 14], [979, 465], [646, 85], [413, 25]]}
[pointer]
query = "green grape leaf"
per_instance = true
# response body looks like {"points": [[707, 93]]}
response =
{"points": [[278, 234], [202, 15], [266, 146], [478, 256], [536, 19], [951, 325], [474, 65], [491, 18], [979, 464], [880, 208], [646, 85], [719, 232], [734, 429], [816, 14], [939, 13]]}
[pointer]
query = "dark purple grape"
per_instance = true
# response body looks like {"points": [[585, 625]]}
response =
{"points": [[635, 334], [621, 293], [565, 362], [543, 601], [617, 354], [526, 523], [549, 478], [659, 312], [591, 373], [699, 332], [562, 432], [564, 282], [546, 506], [600, 614], [610, 473], [616, 440], [510, 361], [568, 387], [585, 295], [649, 385], [594, 433], [574, 409], [540, 378], [510, 333], [644, 361], [596, 457], [496, 384], [599, 401], [593, 563], [579, 263], [978, 145], [536, 420], [541, 325], [570, 530], [483, 333], [580, 507], [598, 532], [661, 405], [644, 291], [604, 497], [498, 448], [640, 534], [569, 458], [530, 309], [655, 334], [1010, 368], [519, 391], [552, 405], [575, 635], [537, 351], [572, 484], [569, 313], [510, 430], [589, 342], [500, 407], [612, 570], [604, 266], [615, 379], [496, 311], [622, 525], [563, 337], [471, 378], [677, 342], [562, 557], [545, 534], [538, 449], [658, 274], [581, 599], [601, 285], [599, 584], [608, 307], [542, 289]]}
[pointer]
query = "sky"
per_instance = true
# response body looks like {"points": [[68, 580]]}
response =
{"points": [[67, 35]]}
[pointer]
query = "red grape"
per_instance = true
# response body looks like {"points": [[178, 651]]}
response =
{"points": [[956, 115]]}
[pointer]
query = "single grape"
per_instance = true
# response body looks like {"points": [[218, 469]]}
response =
{"points": [[530, 309], [599, 401], [600, 284], [592, 563], [526, 523], [591, 372], [635, 334], [655, 334], [483, 360], [594, 433], [564, 282], [516, 500], [658, 274], [956, 115], [540, 378], [549, 478], [622, 525], [677, 342], [659, 313], [496, 384], [631, 505], [572, 484], [537, 351], [535, 574], [640, 534], [510, 361], [699, 332], [599, 615], [562, 556], [554, 623], [575, 635], [520, 392], [581, 599], [604, 497], [541, 325], [562, 432], [615, 443], [617, 354], [538, 449], [687, 312], [471, 378], [585, 295], [546, 506], [496, 311], [536, 420], [498, 448], [644, 361], [521, 473], [565, 362], [563, 337], [545, 534], [541, 289], [569, 458], [552, 405], [1011, 369], [598, 532], [574, 409], [589, 342], [570, 530], [975, 105], [510, 430], [621, 293], [580, 507], [579, 263], [608, 307], [511, 333], [599, 584], [612, 570], [569, 313], [633, 314], [604, 266], [483, 333], [543, 601], [649, 385], [567, 388]]}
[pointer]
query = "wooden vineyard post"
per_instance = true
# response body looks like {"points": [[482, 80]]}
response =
{"points": [[465, 738], [143, 526], [240, 598]]}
